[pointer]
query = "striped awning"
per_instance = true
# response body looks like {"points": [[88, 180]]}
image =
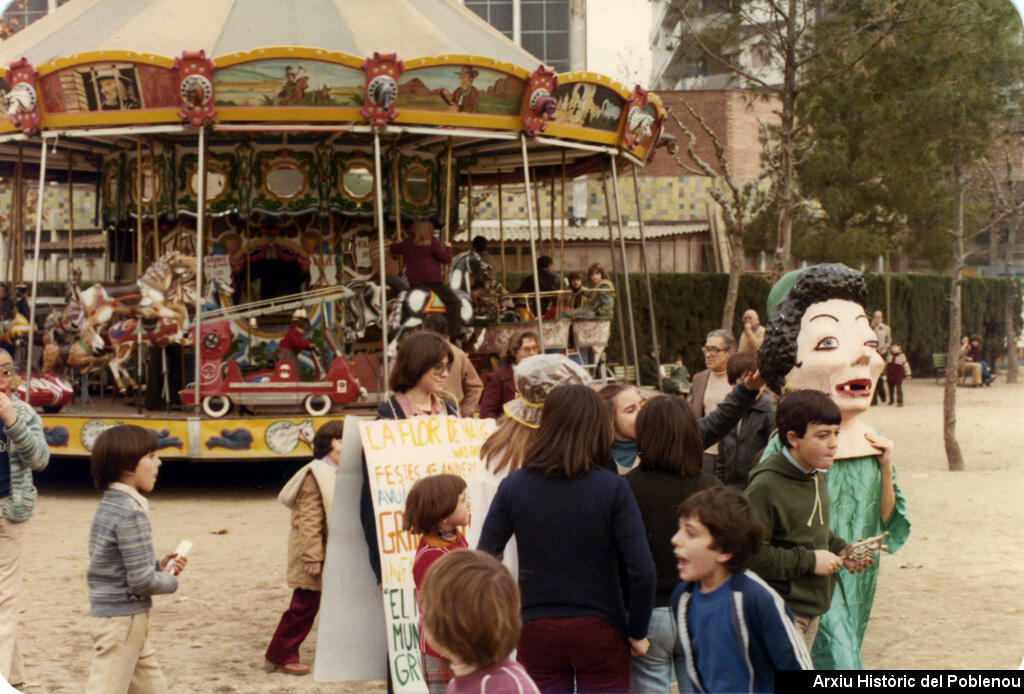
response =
{"points": [[411, 28]]}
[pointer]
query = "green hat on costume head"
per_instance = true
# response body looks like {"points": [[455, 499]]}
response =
{"points": [[781, 288]]}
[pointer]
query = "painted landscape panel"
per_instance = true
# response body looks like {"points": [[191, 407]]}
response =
{"points": [[460, 89], [288, 82]]}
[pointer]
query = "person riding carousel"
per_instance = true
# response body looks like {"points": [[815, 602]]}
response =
{"points": [[294, 342], [424, 255], [601, 302]]}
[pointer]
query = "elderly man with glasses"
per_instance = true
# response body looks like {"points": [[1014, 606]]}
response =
{"points": [[22, 450], [711, 386]]}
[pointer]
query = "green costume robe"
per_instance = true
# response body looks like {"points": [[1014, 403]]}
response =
{"points": [[854, 489]]}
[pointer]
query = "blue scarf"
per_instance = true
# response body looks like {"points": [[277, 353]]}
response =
{"points": [[624, 453]]}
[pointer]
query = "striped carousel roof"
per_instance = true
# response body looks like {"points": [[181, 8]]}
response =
{"points": [[220, 27]]}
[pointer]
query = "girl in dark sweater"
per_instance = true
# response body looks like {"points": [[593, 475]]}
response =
{"points": [[575, 524], [670, 452]]}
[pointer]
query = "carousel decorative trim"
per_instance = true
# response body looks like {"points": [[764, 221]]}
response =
{"points": [[21, 102], [381, 70], [539, 106], [195, 88], [639, 122]]}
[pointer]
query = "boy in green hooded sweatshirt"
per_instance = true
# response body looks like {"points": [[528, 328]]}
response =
{"points": [[800, 555]]}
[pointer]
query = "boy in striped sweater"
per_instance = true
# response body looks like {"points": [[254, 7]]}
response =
{"points": [[123, 570], [469, 604]]}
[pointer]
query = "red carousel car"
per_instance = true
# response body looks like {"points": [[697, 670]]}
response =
{"points": [[222, 385]]}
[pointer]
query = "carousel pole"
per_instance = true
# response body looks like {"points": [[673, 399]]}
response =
{"points": [[71, 213], [469, 208], [156, 230], [398, 193], [533, 244], [138, 268], [379, 211], [615, 267], [200, 228], [551, 225], [448, 194], [165, 391], [561, 224], [647, 275], [18, 221], [501, 235], [625, 267], [35, 274]]}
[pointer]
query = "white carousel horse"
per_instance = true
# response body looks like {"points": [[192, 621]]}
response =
{"points": [[159, 293], [417, 302]]}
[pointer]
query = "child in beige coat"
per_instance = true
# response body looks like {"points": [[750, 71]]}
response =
{"points": [[308, 493]]}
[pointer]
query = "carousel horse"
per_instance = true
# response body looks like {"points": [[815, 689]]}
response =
{"points": [[418, 302], [159, 293], [360, 306], [124, 337]]}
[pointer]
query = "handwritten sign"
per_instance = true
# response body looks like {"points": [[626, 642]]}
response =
{"points": [[399, 452], [217, 267]]}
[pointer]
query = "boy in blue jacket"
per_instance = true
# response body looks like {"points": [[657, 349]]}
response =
{"points": [[734, 629]]}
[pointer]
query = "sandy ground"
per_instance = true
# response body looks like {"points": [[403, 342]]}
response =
{"points": [[950, 598]]}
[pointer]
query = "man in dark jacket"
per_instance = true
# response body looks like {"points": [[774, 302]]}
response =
{"points": [[549, 282], [741, 448]]}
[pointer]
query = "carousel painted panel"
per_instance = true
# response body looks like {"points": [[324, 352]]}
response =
{"points": [[496, 337], [350, 181], [259, 437], [251, 87], [477, 92], [589, 106], [223, 182], [109, 85], [155, 186], [72, 434], [591, 333]]}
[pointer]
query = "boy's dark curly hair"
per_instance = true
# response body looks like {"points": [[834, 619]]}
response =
{"points": [[777, 355]]}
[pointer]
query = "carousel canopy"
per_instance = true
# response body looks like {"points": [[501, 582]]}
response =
{"points": [[292, 95], [219, 27]]}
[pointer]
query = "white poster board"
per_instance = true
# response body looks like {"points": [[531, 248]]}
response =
{"points": [[350, 642], [399, 452]]}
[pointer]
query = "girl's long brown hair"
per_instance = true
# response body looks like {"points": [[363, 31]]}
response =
{"points": [[507, 445], [574, 435]]}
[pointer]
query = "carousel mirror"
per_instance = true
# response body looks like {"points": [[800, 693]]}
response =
{"points": [[357, 181], [417, 184], [110, 188], [149, 183], [285, 180], [216, 181]]}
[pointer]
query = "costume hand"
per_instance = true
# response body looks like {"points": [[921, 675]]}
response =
{"points": [[826, 563], [884, 446], [753, 381], [312, 568], [855, 567], [7, 412], [638, 647]]}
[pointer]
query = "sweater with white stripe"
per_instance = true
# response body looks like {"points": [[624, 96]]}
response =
{"points": [[123, 569], [766, 638], [506, 677]]}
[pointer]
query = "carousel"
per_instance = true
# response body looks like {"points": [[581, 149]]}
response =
{"points": [[251, 168]]}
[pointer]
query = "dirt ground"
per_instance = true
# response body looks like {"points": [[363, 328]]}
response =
{"points": [[950, 598]]}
